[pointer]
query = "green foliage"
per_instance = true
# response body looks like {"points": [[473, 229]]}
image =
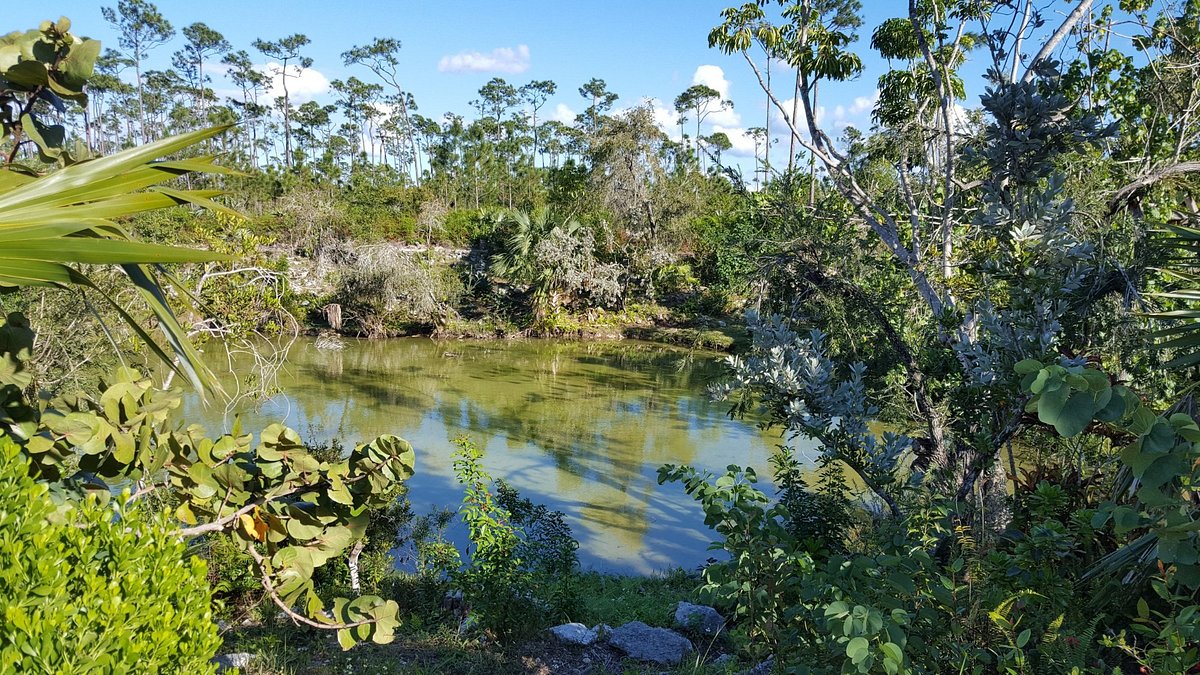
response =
{"points": [[675, 278], [90, 587], [555, 260], [1182, 244], [818, 518], [521, 556], [1162, 639], [614, 600], [493, 583], [49, 223], [1163, 464], [766, 562], [386, 292], [546, 546], [49, 65], [894, 607], [288, 510]]}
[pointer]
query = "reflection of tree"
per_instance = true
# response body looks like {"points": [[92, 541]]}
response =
{"points": [[581, 424]]}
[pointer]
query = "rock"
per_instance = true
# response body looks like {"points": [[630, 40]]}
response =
{"points": [[229, 661], [641, 642], [765, 668], [722, 660], [575, 633], [699, 617]]}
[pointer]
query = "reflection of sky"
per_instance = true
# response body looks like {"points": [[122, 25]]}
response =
{"points": [[579, 427]]}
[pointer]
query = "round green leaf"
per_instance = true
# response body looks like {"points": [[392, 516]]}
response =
{"points": [[857, 649]]}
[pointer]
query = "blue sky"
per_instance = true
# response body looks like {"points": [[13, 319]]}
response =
{"points": [[647, 49]]}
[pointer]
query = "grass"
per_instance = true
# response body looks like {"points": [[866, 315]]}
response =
{"points": [[614, 600], [430, 643]]}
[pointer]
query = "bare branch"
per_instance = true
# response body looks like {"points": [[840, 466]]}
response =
{"points": [[1125, 192], [1063, 29]]}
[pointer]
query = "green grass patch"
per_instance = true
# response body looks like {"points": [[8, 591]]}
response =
{"points": [[615, 600]]}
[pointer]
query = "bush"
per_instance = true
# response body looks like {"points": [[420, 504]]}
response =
{"points": [[522, 556], [386, 291], [91, 588]]}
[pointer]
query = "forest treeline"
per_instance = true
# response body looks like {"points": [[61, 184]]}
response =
{"points": [[981, 312]]}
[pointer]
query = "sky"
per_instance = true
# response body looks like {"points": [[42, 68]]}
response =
{"points": [[647, 49]]}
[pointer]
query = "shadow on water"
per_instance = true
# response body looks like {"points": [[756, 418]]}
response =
{"points": [[580, 427]]}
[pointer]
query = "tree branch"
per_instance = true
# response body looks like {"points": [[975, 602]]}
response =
{"points": [[1063, 29], [265, 579]]}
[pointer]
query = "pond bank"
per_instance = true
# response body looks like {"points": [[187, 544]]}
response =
{"points": [[448, 294], [435, 641], [703, 333]]}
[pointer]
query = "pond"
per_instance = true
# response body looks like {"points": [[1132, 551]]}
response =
{"points": [[579, 426]]}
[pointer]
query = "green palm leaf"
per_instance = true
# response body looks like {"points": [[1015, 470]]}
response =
{"points": [[50, 224]]}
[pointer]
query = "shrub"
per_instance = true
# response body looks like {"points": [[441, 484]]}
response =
{"points": [[675, 278], [522, 556], [386, 289], [94, 588]]}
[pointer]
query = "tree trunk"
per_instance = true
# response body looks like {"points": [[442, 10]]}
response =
{"points": [[353, 564]]}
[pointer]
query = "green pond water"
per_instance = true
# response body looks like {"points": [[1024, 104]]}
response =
{"points": [[581, 427]]}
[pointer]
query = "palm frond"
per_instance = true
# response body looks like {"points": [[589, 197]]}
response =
{"points": [[51, 224], [1181, 264]]}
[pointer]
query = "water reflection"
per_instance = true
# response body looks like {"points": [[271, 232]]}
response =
{"points": [[582, 427]]}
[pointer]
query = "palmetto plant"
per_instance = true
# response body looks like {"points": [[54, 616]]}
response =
{"points": [[53, 225], [1182, 265], [518, 260]]}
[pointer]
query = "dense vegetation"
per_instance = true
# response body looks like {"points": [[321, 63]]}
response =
{"points": [[983, 316]]}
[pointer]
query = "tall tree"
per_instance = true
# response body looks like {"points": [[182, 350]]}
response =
{"points": [[699, 99], [1034, 125], [497, 97], [142, 28], [535, 94], [287, 52], [357, 99], [381, 57], [252, 82], [105, 83], [601, 101], [202, 43]]}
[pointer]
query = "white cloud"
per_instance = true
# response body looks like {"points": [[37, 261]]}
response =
{"points": [[841, 115], [499, 60], [712, 76], [864, 104], [854, 114], [665, 117], [791, 105], [740, 139], [304, 84], [563, 113]]}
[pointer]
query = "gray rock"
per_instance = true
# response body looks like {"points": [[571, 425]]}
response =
{"points": [[641, 642], [229, 661], [700, 617], [764, 668], [575, 633], [722, 660]]}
